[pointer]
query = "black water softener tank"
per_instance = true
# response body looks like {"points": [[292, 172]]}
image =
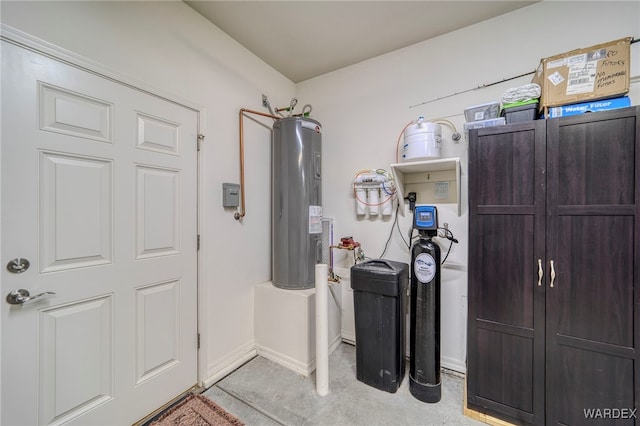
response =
{"points": [[424, 368], [379, 293]]}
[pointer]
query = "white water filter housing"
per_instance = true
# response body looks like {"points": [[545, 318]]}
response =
{"points": [[422, 141], [387, 205], [374, 201], [361, 198], [374, 192]]}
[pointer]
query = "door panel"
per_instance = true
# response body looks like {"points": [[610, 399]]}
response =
{"points": [[506, 369], [506, 172], [76, 347], [594, 163], [607, 386], [157, 314], [99, 193], [506, 238], [504, 292], [156, 134], [76, 198], [592, 238], [157, 215], [594, 272], [74, 114]]}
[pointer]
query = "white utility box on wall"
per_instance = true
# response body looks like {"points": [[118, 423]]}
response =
{"points": [[285, 324]]}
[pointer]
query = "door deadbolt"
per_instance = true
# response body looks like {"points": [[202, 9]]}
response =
{"points": [[18, 265]]}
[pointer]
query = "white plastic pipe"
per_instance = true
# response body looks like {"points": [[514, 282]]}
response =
{"points": [[322, 330]]}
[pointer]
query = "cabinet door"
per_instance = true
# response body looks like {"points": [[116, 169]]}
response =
{"points": [[505, 372], [593, 240]]}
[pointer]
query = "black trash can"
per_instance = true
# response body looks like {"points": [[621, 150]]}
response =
{"points": [[379, 293]]}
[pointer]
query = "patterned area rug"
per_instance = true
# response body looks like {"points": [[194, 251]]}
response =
{"points": [[196, 410]]}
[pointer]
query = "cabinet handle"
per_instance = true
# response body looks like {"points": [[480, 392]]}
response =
{"points": [[540, 272], [553, 273]]}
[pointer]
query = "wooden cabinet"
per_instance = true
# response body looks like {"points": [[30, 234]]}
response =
{"points": [[554, 270]]}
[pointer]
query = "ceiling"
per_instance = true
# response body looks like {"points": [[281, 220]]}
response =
{"points": [[303, 39]]}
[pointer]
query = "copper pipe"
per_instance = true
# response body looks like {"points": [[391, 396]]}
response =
{"points": [[243, 211]]}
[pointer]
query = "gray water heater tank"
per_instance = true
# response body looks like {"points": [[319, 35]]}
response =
{"points": [[296, 202]]}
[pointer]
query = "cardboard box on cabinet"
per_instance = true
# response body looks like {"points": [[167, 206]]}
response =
{"points": [[596, 72]]}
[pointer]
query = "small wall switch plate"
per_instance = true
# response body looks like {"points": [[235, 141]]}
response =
{"points": [[230, 195]]}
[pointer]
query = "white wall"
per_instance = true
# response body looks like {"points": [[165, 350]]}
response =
{"points": [[363, 109], [167, 45]]}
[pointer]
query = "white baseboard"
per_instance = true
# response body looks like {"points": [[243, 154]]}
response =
{"points": [[453, 364], [334, 343], [286, 361], [230, 362], [293, 364], [348, 336]]}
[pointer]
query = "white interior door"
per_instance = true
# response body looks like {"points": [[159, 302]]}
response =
{"points": [[99, 194]]}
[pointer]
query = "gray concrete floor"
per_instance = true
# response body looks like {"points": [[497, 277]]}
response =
{"points": [[262, 392]]}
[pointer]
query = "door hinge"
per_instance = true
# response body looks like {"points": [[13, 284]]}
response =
{"points": [[198, 340], [200, 140], [198, 242]]}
